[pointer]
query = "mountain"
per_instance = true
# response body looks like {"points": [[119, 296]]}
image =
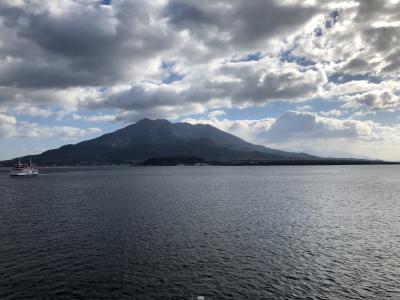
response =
{"points": [[160, 138]]}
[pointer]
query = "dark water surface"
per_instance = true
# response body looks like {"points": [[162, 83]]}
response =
{"points": [[329, 232]]}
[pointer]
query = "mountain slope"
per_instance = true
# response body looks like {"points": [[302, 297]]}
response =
{"points": [[160, 138]]}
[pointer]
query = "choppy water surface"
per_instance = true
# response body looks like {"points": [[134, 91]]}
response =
{"points": [[329, 232]]}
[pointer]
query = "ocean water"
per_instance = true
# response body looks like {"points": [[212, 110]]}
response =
{"points": [[315, 232]]}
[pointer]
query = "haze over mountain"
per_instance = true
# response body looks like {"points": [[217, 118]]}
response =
{"points": [[160, 138]]}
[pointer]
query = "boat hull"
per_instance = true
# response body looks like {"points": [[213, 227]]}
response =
{"points": [[23, 174]]}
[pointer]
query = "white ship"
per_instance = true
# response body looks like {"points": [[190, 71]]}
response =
{"points": [[24, 169]]}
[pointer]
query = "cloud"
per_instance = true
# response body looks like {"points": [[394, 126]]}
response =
{"points": [[85, 43], [269, 79], [309, 132], [216, 113], [350, 44], [375, 100], [44, 102], [7, 125], [91, 48], [172, 59], [304, 107], [10, 127], [295, 125], [227, 84], [357, 66], [331, 113], [96, 118], [221, 25], [32, 130], [246, 129], [88, 46]]}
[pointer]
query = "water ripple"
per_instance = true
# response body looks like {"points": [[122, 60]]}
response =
{"points": [[327, 232]]}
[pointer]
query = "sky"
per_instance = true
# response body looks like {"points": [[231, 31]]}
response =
{"points": [[317, 76]]}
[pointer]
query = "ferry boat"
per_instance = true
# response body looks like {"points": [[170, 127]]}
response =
{"points": [[21, 169]]}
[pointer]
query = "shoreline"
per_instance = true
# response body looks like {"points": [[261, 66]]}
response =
{"points": [[218, 163]]}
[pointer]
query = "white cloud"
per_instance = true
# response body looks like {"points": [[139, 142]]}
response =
{"points": [[7, 125], [32, 130], [295, 125], [216, 113], [96, 118], [303, 107], [309, 132], [10, 127], [245, 129], [331, 113]]}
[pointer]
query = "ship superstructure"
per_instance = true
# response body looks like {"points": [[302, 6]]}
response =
{"points": [[21, 169]]}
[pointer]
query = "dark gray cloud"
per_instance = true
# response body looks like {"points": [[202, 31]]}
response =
{"points": [[238, 23], [357, 66], [85, 44], [375, 100]]}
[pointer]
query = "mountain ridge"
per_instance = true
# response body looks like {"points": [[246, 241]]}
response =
{"points": [[160, 138]]}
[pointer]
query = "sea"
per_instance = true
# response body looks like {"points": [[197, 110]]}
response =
{"points": [[274, 232]]}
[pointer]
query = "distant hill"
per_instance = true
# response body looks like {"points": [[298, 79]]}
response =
{"points": [[160, 138]]}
